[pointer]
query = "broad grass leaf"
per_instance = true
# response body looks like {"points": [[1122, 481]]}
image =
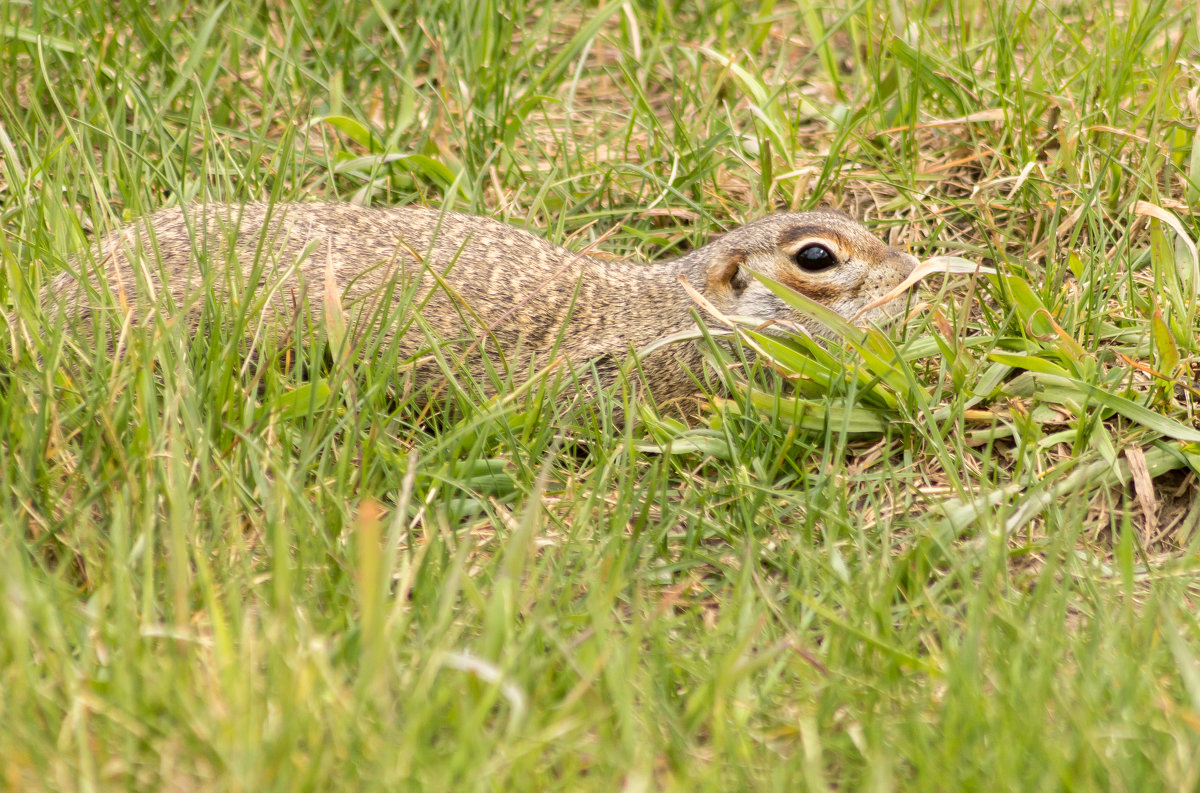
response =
{"points": [[1031, 363], [419, 164], [353, 129], [1131, 410], [805, 305], [793, 363], [1031, 311], [1164, 343], [813, 415], [878, 355], [920, 68], [815, 372], [300, 402], [488, 475], [992, 379], [671, 440]]}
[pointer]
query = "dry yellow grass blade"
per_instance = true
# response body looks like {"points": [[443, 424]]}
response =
{"points": [[938, 264], [1146, 209]]}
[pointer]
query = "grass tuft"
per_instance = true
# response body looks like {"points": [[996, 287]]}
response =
{"points": [[960, 553]]}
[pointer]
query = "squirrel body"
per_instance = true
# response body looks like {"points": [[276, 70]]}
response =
{"points": [[481, 296]]}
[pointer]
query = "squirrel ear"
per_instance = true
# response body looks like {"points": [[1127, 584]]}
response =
{"points": [[728, 272]]}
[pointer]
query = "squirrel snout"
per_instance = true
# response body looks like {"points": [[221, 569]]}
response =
{"points": [[903, 262]]}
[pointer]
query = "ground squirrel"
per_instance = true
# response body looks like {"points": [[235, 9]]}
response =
{"points": [[495, 296]]}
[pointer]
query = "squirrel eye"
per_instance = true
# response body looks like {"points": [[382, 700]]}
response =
{"points": [[815, 257]]}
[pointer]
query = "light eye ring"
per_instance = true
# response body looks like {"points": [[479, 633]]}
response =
{"points": [[815, 257]]}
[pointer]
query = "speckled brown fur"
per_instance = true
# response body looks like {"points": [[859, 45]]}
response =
{"points": [[501, 296]]}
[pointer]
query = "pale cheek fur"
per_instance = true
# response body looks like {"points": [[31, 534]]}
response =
{"points": [[758, 301]]}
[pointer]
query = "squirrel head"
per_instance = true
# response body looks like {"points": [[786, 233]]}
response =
{"points": [[824, 255]]}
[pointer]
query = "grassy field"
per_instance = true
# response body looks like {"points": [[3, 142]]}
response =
{"points": [[961, 555]]}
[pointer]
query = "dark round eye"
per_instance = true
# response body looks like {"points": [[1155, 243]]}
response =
{"points": [[815, 257]]}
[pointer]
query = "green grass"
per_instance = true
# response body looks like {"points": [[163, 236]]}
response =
{"points": [[221, 575]]}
